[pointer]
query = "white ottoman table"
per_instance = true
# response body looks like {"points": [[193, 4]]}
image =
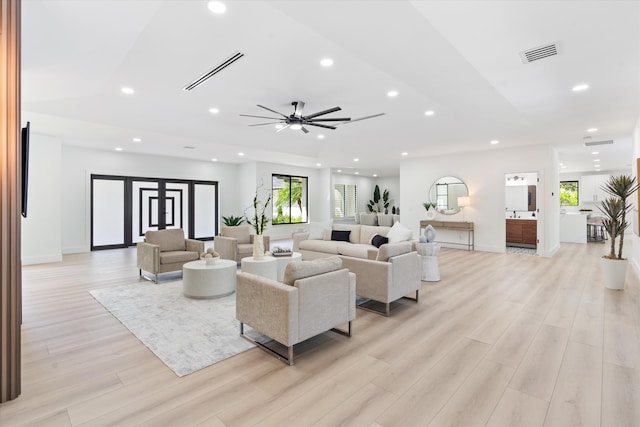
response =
{"points": [[203, 281], [266, 267]]}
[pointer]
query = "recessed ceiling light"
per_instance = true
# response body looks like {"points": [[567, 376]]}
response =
{"points": [[318, 164], [295, 126], [392, 93], [494, 142], [357, 173], [595, 152], [127, 91], [279, 126], [217, 7], [429, 113], [356, 159], [596, 160], [375, 175], [214, 160], [214, 110], [580, 87], [592, 130], [563, 167], [137, 139], [597, 170], [118, 148], [320, 136], [240, 154], [404, 153], [339, 170], [326, 62]]}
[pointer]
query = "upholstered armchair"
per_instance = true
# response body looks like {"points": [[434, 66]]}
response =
{"points": [[394, 274], [315, 296], [235, 243], [166, 250]]}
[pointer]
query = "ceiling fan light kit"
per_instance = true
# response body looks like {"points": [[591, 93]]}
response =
{"points": [[298, 121]]}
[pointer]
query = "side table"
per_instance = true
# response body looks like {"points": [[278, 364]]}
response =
{"points": [[266, 267], [284, 260], [428, 253]]}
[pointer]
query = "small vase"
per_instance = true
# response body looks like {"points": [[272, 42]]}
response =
{"points": [[258, 247]]}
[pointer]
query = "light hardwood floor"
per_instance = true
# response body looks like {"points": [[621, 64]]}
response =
{"points": [[501, 340]]}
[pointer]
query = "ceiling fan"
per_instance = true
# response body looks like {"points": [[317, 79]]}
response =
{"points": [[297, 120]]}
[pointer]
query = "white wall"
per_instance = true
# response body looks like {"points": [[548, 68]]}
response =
{"points": [[484, 172], [41, 234], [79, 163]]}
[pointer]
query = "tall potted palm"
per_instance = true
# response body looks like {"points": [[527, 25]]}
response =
{"points": [[615, 209]]}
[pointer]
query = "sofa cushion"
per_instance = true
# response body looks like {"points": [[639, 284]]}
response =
{"points": [[326, 246], [357, 250], [399, 233], [171, 257], [379, 240], [368, 231], [392, 249], [340, 235], [168, 240], [241, 233], [301, 269]]}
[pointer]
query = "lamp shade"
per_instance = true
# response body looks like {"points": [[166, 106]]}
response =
{"points": [[464, 202]]}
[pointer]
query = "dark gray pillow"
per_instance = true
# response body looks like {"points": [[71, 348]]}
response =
{"points": [[340, 236], [379, 240]]}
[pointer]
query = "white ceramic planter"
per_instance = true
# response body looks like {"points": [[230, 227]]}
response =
{"points": [[615, 271]]}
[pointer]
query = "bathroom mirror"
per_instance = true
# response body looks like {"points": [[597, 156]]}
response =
{"points": [[444, 194]]}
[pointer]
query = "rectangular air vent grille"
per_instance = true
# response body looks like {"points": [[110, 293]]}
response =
{"points": [[206, 76], [591, 144], [537, 53]]}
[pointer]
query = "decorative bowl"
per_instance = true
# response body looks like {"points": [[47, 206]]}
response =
{"points": [[210, 260]]}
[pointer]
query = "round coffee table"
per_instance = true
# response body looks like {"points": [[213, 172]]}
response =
{"points": [[284, 260], [266, 267], [205, 281]]}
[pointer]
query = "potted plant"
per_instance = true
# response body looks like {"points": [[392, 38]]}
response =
{"points": [[430, 208], [615, 209], [232, 221], [259, 222]]}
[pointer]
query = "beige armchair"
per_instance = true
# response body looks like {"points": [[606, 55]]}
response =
{"points": [[394, 274], [235, 243], [166, 250], [315, 297]]}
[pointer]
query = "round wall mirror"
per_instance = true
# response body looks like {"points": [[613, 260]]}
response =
{"points": [[444, 194]]}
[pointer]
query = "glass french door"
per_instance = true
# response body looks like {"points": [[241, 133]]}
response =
{"points": [[123, 209]]}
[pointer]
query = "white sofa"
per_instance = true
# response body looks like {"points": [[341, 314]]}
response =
{"points": [[358, 246]]}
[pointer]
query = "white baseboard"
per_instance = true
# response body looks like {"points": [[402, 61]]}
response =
{"points": [[550, 253], [76, 250], [42, 259], [486, 248]]}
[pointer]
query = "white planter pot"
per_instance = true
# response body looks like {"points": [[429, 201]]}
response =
{"points": [[615, 271]]}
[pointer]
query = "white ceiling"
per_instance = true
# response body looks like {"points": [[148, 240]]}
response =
{"points": [[457, 58]]}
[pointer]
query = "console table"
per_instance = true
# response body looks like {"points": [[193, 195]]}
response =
{"points": [[461, 226]]}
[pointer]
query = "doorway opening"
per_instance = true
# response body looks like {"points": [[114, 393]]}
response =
{"points": [[521, 212]]}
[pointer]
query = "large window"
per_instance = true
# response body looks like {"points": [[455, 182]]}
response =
{"points": [[569, 193], [289, 199], [344, 196]]}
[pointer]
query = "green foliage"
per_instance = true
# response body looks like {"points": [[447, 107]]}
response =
{"points": [[615, 208], [284, 219], [289, 193], [232, 221], [569, 193], [428, 205], [375, 205]]}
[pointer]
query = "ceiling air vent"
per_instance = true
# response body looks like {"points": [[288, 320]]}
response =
{"points": [[541, 52], [591, 144], [206, 76]]}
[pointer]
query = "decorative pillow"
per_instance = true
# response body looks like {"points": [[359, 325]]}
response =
{"points": [[340, 235], [379, 240], [301, 269], [399, 233]]}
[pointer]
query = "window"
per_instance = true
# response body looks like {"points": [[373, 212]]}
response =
{"points": [[344, 196], [289, 199], [569, 193]]}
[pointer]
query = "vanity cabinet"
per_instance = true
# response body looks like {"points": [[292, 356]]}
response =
{"points": [[591, 188], [522, 232]]}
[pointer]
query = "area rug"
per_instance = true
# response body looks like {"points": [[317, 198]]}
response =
{"points": [[186, 334]]}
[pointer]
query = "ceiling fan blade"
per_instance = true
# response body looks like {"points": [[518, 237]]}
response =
{"points": [[362, 118], [319, 125], [304, 129], [282, 128], [273, 111], [299, 106], [260, 117], [344, 119], [321, 113], [262, 124]]}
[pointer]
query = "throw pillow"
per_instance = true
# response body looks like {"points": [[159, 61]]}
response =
{"points": [[301, 269], [399, 233], [340, 235], [379, 240]]}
